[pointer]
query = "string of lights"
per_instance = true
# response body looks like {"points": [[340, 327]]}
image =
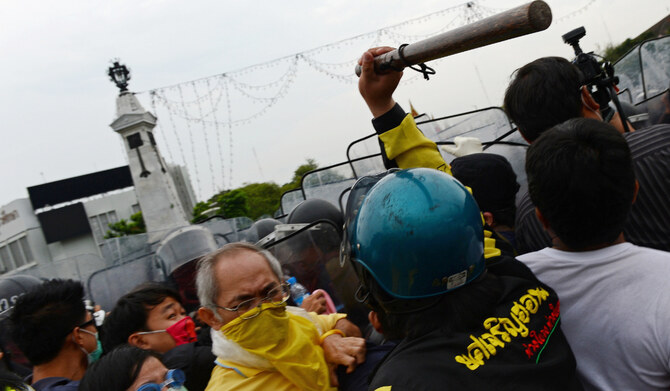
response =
{"points": [[254, 91]]}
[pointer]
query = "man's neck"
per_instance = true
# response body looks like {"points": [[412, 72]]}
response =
{"points": [[558, 244], [68, 364]]}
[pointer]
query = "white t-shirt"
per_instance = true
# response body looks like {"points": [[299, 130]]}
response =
{"points": [[615, 311]]}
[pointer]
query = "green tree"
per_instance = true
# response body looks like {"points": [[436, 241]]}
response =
{"points": [[233, 204], [299, 172], [252, 200], [123, 228], [199, 211], [262, 198], [613, 53]]}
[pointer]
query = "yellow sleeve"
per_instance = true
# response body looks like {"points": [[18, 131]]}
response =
{"points": [[385, 388], [327, 322], [410, 148]]}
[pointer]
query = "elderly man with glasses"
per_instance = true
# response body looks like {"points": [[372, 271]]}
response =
{"points": [[260, 342]]}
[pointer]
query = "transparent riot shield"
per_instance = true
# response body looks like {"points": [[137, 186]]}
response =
{"points": [[106, 286], [311, 254], [290, 199], [645, 70], [118, 250], [491, 126], [327, 183], [77, 268], [654, 110], [178, 253], [227, 230]]}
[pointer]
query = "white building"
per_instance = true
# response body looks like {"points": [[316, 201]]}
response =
{"points": [[69, 218]]}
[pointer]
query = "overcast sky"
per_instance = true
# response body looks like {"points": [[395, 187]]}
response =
{"points": [[56, 102]]}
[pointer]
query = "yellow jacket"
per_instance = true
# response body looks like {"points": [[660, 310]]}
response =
{"points": [[234, 373]]}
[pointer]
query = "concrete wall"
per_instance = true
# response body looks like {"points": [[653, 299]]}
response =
{"points": [[19, 223]]}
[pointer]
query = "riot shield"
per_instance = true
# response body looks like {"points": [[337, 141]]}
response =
{"points": [[645, 70], [327, 183], [365, 157], [311, 255], [290, 199], [78, 268], [178, 253], [118, 250], [106, 286], [490, 125], [227, 230], [654, 110]]}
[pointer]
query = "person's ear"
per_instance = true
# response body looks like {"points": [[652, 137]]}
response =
{"points": [[139, 341], [542, 219], [590, 108], [488, 218], [374, 321], [637, 190], [208, 316], [77, 336]]}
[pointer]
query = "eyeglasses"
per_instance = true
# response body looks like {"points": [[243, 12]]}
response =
{"points": [[276, 296], [88, 323], [174, 378]]}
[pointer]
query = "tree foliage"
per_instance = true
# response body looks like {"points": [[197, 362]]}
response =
{"points": [[233, 203], [252, 200], [613, 53], [123, 228], [262, 198], [299, 172]]}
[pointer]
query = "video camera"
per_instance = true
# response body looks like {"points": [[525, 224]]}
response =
{"points": [[598, 77]]}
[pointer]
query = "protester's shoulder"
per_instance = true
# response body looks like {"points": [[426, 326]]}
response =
{"points": [[56, 384], [649, 140], [509, 266], [652, 256]]}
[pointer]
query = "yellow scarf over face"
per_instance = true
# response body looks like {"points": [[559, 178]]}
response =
{"points": [[289, 342]]}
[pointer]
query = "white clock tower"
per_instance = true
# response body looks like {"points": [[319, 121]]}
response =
{"points": [[155, 189]]}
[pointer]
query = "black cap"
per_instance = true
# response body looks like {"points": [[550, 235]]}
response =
{"points": [[491, 178]]}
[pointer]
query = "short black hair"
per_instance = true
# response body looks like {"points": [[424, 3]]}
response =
{"points": [[581, 178], [117, 370], [131, 311], [44, 316], [543, 93]]}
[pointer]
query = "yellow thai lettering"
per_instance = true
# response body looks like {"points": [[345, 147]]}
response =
{"points": [[501, 330], [494, 325]]}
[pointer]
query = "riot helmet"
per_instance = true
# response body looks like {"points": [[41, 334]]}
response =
{"points": [[261, 229], [314, 209], [417, 232]]}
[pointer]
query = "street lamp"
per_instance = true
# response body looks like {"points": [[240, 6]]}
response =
{"points": [[120, 75]]}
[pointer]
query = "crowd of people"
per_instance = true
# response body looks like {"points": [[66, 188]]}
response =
{"points": [[465, 287]]}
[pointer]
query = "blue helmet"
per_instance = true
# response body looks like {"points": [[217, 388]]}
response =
{"points": [[418, 232]]}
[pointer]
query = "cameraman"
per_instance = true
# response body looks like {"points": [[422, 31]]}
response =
{"points": [[550, 91]]}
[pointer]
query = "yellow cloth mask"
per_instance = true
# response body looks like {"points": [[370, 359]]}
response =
{"points": [[289, 342]]}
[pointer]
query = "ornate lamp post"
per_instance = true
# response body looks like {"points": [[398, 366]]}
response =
{"points": [[119, 74]]}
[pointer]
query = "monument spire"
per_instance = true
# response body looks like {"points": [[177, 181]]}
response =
{"points": [[155, 189]]}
